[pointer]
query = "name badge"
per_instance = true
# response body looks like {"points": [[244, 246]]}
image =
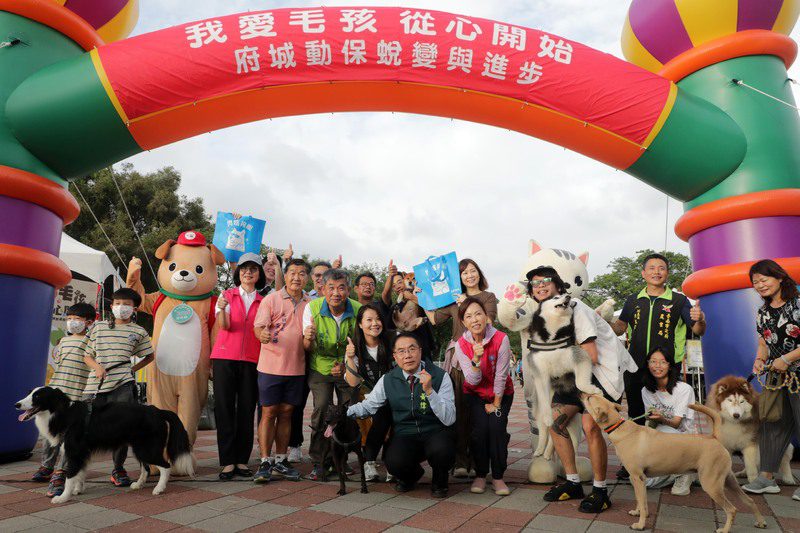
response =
{"points": [[182, 314]]}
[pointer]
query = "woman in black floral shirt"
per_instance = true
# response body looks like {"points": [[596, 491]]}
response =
{"points": [[778, 326]]}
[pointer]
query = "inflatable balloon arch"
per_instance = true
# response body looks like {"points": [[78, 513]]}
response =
{"points": [[703, 111]]}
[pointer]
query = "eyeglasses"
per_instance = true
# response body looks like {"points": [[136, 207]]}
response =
{"points": [[411, 350], [539, 282], [366, 284], [658, 363]]}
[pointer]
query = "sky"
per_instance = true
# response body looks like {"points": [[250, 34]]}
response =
{"points": [[380, 186]]}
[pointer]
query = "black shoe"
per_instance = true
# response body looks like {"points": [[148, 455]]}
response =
{"points": [[286, 471], [243, 472], [566, 491], [401, 486], [623, 474], [438, 492], [596, 502], [227, 476], [264, 473]]}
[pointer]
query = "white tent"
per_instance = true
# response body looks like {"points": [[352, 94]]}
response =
{"points": [[92, 263]]}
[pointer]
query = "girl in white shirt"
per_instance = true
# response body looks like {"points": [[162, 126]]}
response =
{"points": [[666, 400]]}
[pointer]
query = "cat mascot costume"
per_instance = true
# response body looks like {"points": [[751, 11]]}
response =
{"points": [[515, 310]]}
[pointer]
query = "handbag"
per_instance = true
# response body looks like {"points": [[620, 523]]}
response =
{"points": [[770, 403], [440, 281]]}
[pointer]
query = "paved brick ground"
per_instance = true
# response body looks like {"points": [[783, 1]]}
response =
{"points": [[209, 505]]}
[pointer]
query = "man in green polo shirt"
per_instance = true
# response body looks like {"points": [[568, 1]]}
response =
{"points": [[327, 323], [657, 316]]}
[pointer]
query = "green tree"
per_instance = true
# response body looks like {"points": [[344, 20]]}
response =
{"points": [[159, 213], [625, 277]]}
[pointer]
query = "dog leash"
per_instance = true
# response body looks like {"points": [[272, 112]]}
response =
{"points": [[608, 430]]}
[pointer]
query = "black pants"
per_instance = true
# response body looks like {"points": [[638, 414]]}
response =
{"points": [[405, 453], [235, 397], [633, 393], [296, 438], [376, 438], [124, 393], [489, 436]]}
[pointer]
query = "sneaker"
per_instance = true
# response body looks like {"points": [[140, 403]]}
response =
{"points": [[682, 485], [399, 486], [596, 502], [120, 478], [348, 469], [370, 471], [56, 486], [761, 485], [566, 491], [622, 474], [264, 473], [389, 477], [439, 492], [286, 471], [796, 495], [315, 474], [461, 472], [43, 474], [478, 486], [295, 455]]}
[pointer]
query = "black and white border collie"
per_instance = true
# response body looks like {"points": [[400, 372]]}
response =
{"points": [[81, 432]]}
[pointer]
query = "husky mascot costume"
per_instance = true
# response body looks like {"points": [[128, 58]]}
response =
{"points": [[515, 310]]}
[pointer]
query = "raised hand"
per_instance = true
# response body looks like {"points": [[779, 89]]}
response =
{"points": [[392, 271], [287, 254], [222, 303], [516, 294], [350, 351], [425, 381], [135, 268], [697, 314], [310, 333], [337, 263]]}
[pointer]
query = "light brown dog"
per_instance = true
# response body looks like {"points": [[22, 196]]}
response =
{"points": [[410, 316], [646, 452]]}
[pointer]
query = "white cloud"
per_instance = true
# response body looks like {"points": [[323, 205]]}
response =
{"points": [[380, 186]]}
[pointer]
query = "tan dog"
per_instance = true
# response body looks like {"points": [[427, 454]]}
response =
{"points": [[646, 452], [737, 403], [410, 316], [178, 381]]}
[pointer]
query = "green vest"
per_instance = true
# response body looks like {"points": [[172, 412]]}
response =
{"points": [[655, 322], [331, 339], [412, 413]]}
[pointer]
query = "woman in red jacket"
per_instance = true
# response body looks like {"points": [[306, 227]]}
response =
{"points": [[234, 360], [484, 354]]}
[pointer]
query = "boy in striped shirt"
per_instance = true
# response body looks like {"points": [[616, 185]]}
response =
{"points": [[70, 377], [110, 352]]}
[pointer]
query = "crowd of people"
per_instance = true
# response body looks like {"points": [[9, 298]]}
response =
{"points": [[277, 345]]}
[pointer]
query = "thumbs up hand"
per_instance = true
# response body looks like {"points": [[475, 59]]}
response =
{"points": [[392, 270], [350, 351], [287, 254]]}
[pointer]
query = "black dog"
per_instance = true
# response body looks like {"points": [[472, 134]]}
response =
{"points": [[345, 437], [83, 429]]}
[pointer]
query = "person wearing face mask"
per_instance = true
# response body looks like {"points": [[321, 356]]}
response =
{"points": [[70, 377], [485, 354], [110, 351]]}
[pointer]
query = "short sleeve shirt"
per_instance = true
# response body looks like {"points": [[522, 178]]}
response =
{"points": [[71, 371], [284, 354], [780, 329], [114, 349], [672, 405]]}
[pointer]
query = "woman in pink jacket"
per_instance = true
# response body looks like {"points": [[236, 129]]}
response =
{"points": [[484, 354], [234, 359]]}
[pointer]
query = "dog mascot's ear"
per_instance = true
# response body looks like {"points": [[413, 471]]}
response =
{"points": [[216, 256], [163, 250]]}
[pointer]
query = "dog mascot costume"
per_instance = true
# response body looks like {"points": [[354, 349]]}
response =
{"points": [[181, 309], [514, 311]]}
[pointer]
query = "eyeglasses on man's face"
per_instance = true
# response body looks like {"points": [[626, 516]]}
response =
{"points": [[539, 282], [411, 350]]}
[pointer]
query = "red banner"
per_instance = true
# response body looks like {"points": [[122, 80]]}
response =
{"points": [[219, 56]]}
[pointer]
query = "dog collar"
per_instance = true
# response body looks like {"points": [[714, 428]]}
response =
{"points": [[610, 429], [185, 298]]}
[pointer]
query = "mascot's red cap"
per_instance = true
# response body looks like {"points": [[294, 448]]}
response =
{"points": [[192, 238]]}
